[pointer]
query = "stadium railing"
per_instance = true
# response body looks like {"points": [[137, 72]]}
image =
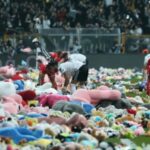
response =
{"points": [[86, 40]]}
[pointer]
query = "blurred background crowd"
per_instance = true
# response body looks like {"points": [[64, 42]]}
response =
{"points": [[30, 16]]}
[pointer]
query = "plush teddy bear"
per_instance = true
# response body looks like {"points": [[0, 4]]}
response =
{"points": [[100, 135], [95, 96], [77, 122], [127, 117]]}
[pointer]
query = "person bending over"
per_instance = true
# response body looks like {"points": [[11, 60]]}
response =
{"points": [[74, 72], [50, 69]]}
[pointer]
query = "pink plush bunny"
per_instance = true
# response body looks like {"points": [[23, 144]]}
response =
{"points": [[94, 96]]}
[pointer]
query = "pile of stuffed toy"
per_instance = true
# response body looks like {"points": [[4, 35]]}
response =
{"points": [[111, 112]]}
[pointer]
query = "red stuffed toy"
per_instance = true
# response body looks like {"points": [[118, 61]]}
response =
{"points": [[27, 95]]}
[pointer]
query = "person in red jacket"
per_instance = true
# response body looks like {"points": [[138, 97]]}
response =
{"points": [[59, 56], [148, 77], [42, 72], [50, 69]]}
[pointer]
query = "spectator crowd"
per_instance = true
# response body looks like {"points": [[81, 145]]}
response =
{"points": [[132, 16]]}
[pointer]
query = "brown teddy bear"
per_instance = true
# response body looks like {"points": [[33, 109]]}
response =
{"points": [[127, 117], [99, 134]]}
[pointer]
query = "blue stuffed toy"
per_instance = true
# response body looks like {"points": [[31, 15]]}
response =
{"points": [[86, 106], [19, 84]]}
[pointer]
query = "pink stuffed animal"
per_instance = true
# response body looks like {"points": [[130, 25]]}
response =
{"points": [[94, 96], [12, 103], [7, 71], [10, 107], [15, 98], [51, 99]]}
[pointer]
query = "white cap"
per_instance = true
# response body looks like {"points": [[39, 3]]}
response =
{"points": [[35, 40]]}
